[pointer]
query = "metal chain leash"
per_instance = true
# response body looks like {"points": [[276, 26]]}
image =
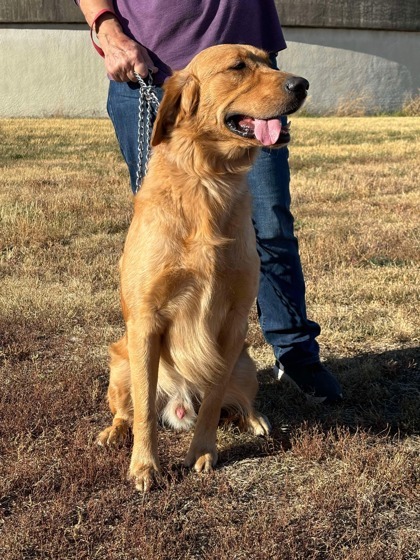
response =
{"points": [[149, 101]]}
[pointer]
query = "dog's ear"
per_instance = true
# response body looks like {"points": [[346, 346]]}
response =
{"points": [[180, 101]]}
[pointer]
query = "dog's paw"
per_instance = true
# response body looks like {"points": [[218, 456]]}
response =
{"points": [[203, 461], [143, 476], [259, 424], [114, 435]]}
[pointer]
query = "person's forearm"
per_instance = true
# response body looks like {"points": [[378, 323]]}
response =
{"points": [[107, 26], [108, 22], [124, 57], [92, 7]]}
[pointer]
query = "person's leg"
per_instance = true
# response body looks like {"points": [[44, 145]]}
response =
{"points": [[281, 297]]}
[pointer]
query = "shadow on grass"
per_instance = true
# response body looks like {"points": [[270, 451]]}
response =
{"points": [[381, 396]]}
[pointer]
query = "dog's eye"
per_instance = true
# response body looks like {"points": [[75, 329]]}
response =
{"points": [[238, 66]]}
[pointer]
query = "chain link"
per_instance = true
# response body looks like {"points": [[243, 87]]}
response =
{"points": [[148, 106]]}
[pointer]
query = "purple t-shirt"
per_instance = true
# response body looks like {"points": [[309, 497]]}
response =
{"points": [[175, 31]]}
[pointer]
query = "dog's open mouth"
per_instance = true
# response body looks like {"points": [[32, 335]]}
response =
{"points": [[269, 132]]}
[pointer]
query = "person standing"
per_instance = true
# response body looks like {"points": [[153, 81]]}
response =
{"points": [[154, 38]]}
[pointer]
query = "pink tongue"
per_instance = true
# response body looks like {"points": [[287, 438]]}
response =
{"points": [[267, 132]]}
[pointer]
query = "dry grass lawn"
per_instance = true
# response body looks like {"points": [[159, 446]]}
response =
{"points": [[331, 483]]}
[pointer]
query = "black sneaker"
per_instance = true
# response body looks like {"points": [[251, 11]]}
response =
{"points": [[314, 380]]}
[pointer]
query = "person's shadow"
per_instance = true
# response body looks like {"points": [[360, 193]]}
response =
{"points": [[381, 396]]}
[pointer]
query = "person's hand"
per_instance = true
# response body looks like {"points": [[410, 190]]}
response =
{"points": [[123, 56]]}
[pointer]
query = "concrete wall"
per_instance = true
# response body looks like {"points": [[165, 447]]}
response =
{"points": [[394, 15], [50, 71], [53, 70], [361, 70], [359, 54]]}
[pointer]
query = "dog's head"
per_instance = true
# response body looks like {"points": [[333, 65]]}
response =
{"points": [[230, 94]]}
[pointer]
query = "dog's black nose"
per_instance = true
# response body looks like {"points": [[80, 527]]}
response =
{"points": [[297, 86]]}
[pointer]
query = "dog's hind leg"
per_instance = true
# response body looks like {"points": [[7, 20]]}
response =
{"points": [[241, 393], [119, 397]]}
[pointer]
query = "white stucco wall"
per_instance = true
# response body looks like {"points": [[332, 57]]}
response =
{"points": [[55, 71], [374, 69], [50, 71]]}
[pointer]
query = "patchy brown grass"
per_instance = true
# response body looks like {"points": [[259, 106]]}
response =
{"points": [[331, 483]]}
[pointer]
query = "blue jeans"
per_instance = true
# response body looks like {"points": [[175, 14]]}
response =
{"points": [[281, 297]]}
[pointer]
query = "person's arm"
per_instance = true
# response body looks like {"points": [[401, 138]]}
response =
{"points": [[123, 56]]}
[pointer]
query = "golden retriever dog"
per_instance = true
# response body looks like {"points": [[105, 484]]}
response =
{"points": [[189, 271]]}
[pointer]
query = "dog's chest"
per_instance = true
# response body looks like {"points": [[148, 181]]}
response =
{"points": [[221, 256]]}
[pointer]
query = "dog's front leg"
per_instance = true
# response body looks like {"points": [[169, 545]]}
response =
{"points": [[203, 451], [144, 352]]}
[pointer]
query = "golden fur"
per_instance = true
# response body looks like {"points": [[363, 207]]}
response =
{"points": [[189, 271]]}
